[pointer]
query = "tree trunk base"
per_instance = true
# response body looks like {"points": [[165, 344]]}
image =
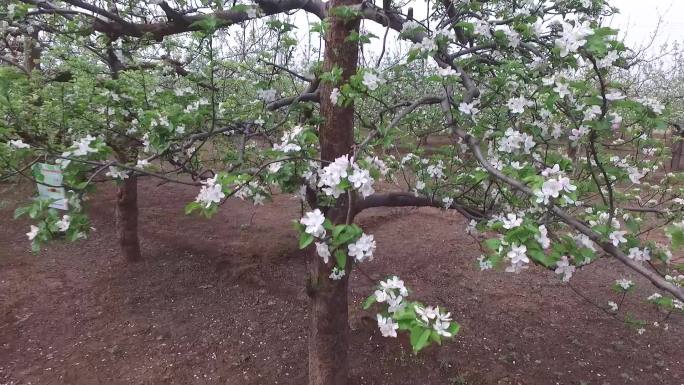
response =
{"points": [[329, 335], [127, 219]]}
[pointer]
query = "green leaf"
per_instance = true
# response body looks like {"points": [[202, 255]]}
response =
{"points": [[454, 328], [192, 206], [21, 211], [305, 240], [422, 341], [676, 236], [345, 13], [337, 230], [341, 258], [493, 244], [369, 302], [434, 336], [415, 333], [540, 257], [208, 24]]}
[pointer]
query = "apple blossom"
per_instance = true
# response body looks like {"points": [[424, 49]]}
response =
{"points": [[313, 220]]}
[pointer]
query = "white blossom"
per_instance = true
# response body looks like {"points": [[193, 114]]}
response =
{"points": [[512, 35], [33, 232], [652, 104], [572, 37], [336, 274], [542, 237], [639, 255], [363, 248], [117, 173], [313, 220], [18, 143], [334, 95], [517, 105], [332, 174], [64, 223], [288, 142], [654, 297], [614, 95], [361, 180], [83, 146], [617, 237], [323, 251], [613, 306], [371, 81], [258, 199], [511, 221], [564, 267], [211, 192], [425, 45], [469, 108], [562, 89], [482, 27], [447, 71], [624, 283], [578, 133], [267, 95], [515, 141], [410, 26], [426, 313], [442, 323], [608, 60], [484, 263], [387, 326], [518, 254], [436, 170]]}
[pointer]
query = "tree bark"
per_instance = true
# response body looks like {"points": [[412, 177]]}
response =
{"points": [[127, 218], [677, 160], [329, 336]]}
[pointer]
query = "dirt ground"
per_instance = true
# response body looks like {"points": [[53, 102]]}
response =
{"points": [[222, 301]]}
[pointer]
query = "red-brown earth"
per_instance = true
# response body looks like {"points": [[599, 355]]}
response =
{"points": [[222, 301]]}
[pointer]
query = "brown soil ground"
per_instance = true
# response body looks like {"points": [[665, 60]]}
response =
{"points": [[222, 301]]}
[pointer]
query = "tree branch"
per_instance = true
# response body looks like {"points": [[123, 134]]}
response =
{"points": [[405, 199]]}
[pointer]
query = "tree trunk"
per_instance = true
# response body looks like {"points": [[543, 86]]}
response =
{"points": [[329, 336], [32, 52], [677, 161], [127, 218]]}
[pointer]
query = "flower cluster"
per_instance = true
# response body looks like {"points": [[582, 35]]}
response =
{"points": [[211, 192], [344, 173], [515, 141], [425, 324], [572, 37], [556, 183], [331, 240], [289, 140]]}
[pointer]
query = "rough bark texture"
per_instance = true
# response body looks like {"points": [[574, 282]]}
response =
{"points": [[677, 161], [329, 338], [127, 218], [127, 203], [32, 52], [329, 335]]}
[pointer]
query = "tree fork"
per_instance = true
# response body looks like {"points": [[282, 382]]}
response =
{"points": [[329, 335]]}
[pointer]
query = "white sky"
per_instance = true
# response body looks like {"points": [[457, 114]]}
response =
{"points": [[638, 20]]}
